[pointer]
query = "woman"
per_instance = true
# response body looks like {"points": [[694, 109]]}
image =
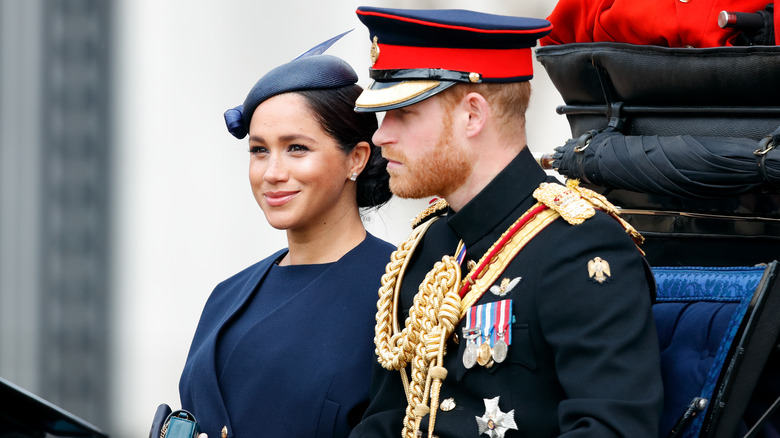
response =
{"points": [[285, 347]]}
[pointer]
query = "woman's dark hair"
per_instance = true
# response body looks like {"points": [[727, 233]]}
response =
{"points": [[333, 109]]}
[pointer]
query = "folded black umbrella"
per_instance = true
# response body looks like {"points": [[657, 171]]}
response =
{"points": [[682, 165]]}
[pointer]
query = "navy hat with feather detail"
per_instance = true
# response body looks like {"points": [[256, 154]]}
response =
{"points": [[310, 71], [417, 53]]}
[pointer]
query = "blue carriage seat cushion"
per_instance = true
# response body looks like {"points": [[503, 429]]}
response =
{"points": [[698, 312]]}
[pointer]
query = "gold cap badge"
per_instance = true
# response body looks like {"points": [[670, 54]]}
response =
{"points": [[374, 51]]}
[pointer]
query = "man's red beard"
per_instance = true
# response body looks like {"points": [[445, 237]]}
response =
{"points": [[438, 172]]}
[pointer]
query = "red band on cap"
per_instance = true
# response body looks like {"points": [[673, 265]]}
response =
{"points": [[489, 63]]}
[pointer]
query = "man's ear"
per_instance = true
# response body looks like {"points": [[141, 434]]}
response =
{"points": [[478, 109]]}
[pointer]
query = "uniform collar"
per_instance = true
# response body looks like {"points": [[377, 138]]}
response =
{"points": [[511, 188]]}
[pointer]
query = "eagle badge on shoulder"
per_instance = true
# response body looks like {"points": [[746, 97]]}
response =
{"points": [[598, 270]]}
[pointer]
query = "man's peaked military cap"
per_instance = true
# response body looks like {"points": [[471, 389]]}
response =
{"points": [[417, 53]]}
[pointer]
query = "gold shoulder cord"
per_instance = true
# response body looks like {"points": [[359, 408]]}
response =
{"points": [[432, 318]]}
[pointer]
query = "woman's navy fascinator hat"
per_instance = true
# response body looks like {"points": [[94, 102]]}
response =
{"points": [[310, 71]]}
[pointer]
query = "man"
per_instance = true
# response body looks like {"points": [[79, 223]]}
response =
{"points": [[520, 307]]}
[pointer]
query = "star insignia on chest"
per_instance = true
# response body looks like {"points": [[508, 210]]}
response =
{"points": [[495, 423], [505, 286], [598, 270]]}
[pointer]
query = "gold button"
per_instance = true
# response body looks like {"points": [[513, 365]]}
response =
{"points": [[224, 431]]}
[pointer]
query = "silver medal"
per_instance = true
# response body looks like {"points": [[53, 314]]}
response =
{"points": [[470, 350], [470, 354], [499, 351]]}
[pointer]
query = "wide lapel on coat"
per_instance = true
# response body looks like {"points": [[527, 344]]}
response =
{"points": [[243, 287]]}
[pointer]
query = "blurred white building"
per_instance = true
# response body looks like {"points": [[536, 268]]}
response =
{"points": [[165, 199]]}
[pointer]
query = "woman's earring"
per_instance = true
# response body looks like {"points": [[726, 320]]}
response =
{"points": [[353, 177]]}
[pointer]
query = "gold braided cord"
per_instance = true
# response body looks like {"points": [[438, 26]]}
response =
{"points": [[434, 207], [576, 204], [392, 351], [432, 318], [600, 201]]}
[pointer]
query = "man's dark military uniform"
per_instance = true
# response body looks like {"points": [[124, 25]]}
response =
{"points": [[582, 357]]}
